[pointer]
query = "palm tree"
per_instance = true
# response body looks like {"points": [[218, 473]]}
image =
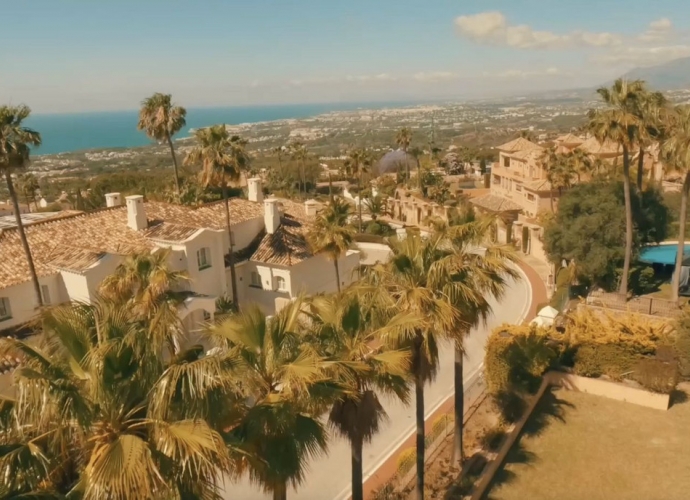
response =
{"points": [[161, 120], [677, 150], [99, 414], [376, 206], [580, 163], [287, 388], [550, 161], [403, 139], [363, 360], [278, 151], [28, 186], [145, 283], [619, 122], [417, 153], [15, 142], [414, 280], [649, 108], [222, 158], [331, 234], [358, 159], [300, 153], [474, 277]]}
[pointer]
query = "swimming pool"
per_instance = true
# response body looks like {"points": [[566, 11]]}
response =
{"points": [[663, 254]]}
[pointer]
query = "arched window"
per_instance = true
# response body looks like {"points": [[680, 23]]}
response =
{"points": [[281, 284]]}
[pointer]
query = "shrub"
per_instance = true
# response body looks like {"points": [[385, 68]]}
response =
{"points": [[511, 406], [682, 342], [388, 492], [406, 460], [657, 375], [642, 280], [614, 360]]}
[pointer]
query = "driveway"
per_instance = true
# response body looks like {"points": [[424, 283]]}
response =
{"points": [[329, 476]]}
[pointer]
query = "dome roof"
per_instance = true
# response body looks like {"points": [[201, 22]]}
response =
{"points": [[394, 161]]}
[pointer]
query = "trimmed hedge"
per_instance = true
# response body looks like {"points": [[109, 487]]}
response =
{"points": [[614, 360], [657, 375]]}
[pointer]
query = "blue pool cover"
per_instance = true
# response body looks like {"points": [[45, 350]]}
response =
{"points": [[662, 254]]}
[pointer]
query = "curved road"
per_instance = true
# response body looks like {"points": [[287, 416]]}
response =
{"points": [[329, 476]]}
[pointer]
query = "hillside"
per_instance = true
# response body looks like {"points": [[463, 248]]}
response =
{"points": [[668, 76]]}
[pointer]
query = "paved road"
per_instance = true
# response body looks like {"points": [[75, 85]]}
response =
{"points": [[329, 476]]}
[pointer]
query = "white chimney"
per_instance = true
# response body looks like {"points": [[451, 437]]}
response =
{"points": [[311, 207], [136, 213], [255, 191], [401, 233], [271, 215], [113, 200]]}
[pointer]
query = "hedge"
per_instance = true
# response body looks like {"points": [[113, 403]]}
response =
{"points": [[614, 360]]}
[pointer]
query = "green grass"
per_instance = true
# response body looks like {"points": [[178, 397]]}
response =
{"points": [[579, 446]]}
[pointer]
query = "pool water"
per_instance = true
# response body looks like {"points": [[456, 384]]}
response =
{"points": [[663, 254]]}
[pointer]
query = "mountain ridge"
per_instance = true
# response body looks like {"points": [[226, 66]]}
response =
{"points": [[671, 75]]}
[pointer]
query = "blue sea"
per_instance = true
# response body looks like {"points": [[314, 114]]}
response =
{"points": [[63, 133]]}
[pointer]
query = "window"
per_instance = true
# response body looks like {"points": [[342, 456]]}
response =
{"points": [[506, 161], [5, 312], [256, 280], [530, 197], [207, 316], [281, 284], [45, 294], [203, 258], [518, 187]]}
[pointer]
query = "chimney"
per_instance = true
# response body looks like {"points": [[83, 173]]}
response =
{"points": [[401, 233], [271, 215], [113, 200], [136, 213], [255, 191], [311, 207]]}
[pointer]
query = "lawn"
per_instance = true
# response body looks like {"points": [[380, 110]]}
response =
{"points": [[580, 446]]}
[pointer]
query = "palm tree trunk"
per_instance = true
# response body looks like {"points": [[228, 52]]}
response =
{"points": [[407, 166], [357, 479], [359, 187], [628, 223], [458, 452], [177, 175], [640, 169], [337, 273], [419, 415], [304, 181], [280, 491], [231, 256], [551, 198], [22, 237], [681, 238]]}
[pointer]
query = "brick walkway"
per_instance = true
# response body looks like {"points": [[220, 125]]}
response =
{"points": [[386, 471]]}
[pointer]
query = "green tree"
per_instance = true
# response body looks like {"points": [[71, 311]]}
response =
{"points": [[376, 206], [414, 280], [222, 158], [358, 163], [100, 414], [403, 139], [287, 389], [331, 234], [619, 122], [161, 120], [677, 150], [365, 363], [28, 186], [15, 142]]}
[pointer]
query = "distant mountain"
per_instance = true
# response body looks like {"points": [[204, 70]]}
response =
{"points": [[668, 76]]}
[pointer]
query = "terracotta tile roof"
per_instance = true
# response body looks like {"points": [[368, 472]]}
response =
{"points": [[495, 203], [540, 185], [527, 154], [570, 139], [519, 144], [287, 246], [593, 146], [74, 259], [169, 231]]}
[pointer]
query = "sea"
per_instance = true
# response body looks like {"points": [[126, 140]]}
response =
{"points": [[63, 133]]}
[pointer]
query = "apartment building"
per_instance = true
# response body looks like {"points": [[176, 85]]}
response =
{"points": [[75, 252]]}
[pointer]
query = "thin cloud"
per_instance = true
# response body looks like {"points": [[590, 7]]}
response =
{"points": [[642, 56], [658, 31], [492, 28], [434, 76]]}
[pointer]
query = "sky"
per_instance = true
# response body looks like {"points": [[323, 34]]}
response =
{"points": [[95, 55]]}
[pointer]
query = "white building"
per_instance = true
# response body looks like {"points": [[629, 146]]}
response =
{"points": [[74, 253]]}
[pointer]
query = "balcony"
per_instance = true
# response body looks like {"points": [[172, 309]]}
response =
{"points": [[508, 172]]}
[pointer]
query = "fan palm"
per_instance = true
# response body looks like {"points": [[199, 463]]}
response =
{"points": [[222, 158], [15, 142], [99, 414], [415, 280], [677, 150], [287, 387], [649, 112], [363, 360], [376, 206], [331, 234], [358, 160], [28, 185], [161, 120], [300, 153], [619, 122], [403, 139]]}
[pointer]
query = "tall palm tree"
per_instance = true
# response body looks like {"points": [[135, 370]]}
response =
{"points": [[15, 142], [357, 158], [300, 153], [331, 234], [677, 150], [287, 387], [649, 112], [145, 283], [414, 280], [222, 158], [28, 185], [580, 163], [619, 122], [161, 120], [474, 277], [403, 139], [99, 414], [363, 359]]}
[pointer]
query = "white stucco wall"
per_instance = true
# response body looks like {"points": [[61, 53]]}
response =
{"points": [[23, 303], [372, 253], [317, 275], [209, 281]]}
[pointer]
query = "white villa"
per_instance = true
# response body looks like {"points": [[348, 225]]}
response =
{"points": [[75, 252]]}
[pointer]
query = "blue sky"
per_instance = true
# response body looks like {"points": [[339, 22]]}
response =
{"points": [[71, 55]]}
